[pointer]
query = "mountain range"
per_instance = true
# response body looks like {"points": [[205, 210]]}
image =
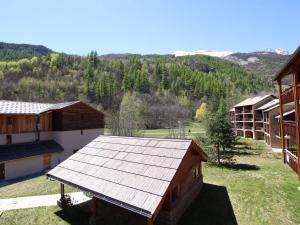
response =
{"points": [[263, 63]]}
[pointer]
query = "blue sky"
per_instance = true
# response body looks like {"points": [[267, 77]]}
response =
{"points": [[151, 26]]}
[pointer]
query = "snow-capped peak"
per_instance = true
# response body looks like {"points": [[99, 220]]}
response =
{"points": [[279, 51], [220, 54]]}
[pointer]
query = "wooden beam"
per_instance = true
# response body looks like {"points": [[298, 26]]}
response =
{"points": [[281, 120], [297, 116], [62, 191], [150, 221], [94, 206]]}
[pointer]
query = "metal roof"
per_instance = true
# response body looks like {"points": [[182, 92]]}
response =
{"points": [[286, 113], [270, 108], [269, 104], [34, 108], [59, 106], [131, 172], [15, 107], [22, 150], [286, 69], [253, 100]]}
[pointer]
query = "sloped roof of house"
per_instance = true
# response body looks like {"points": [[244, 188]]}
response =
{"points": [[253, 100], [270, 108], [286, 113], [131, 172], [269, 104], [286, 69], [31, 108], [22, 150], [16, 107]]}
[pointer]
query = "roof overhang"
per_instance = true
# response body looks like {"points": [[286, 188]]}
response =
{"points": [[288, 66], [104, 198]]}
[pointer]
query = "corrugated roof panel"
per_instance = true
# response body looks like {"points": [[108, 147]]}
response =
{"points": [[133, 171]]}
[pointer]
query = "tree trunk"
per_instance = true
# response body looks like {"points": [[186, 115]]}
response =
{"points": [[218, 153]]}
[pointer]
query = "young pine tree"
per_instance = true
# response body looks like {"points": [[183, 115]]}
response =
{"points": [[219, 130]]}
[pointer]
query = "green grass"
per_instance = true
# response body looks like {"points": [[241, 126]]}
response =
{"points": [[34, 186], [194, 127], [44, 216]]}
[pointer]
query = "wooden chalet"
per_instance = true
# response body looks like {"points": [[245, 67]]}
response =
{"points": [[288, 79], [155, 178], [37, 136]]}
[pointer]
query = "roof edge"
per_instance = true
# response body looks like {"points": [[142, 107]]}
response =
{"points": [[290, 61], [104, 198]]}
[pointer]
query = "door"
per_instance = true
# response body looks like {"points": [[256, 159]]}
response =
{"points": [[2, 171], [47, 162]]}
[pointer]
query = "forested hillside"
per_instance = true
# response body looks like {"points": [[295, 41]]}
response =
{"points": [[166, 87], [20, 51]]}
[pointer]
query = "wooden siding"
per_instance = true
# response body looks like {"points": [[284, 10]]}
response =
{"points": [[170, 211], [77, 117], [10, 124]]}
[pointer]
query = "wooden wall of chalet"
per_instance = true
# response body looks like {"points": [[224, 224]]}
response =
{"points": [[10, 124], [76, 117], [189, 187]]}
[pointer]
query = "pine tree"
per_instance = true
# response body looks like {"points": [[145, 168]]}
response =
{"points": [[219, 130]]}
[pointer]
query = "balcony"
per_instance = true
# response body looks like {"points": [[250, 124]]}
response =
{"points": [[259, 128], [291, 159], [289, 127], [288, 94], [248, 111]]}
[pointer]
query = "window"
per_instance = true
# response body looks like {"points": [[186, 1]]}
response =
{"points": [[37, 136], [47, 162], [9, 120], [8, 139], [38, 120]]}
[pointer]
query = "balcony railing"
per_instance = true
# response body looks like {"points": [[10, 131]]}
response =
{"points": [[288, 94], [289, 128], [248, 111], [292, 159]]}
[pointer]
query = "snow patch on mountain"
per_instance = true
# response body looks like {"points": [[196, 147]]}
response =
{"points": [[220, 54], [279, 51]]}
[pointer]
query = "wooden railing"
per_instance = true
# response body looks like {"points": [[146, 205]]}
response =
{"points": [[289, 128], [288, 94], [292, 159]]}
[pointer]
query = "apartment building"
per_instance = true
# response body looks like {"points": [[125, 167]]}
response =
{"points": [[247, 118], [37, 136], [288, 79]]}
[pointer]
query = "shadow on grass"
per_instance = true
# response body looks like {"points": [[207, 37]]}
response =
{"points": [[74, 215], [211, 207], [240, 166], [21, 179]]}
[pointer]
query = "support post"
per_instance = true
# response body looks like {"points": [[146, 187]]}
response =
{"points": [[150, 221], [94, 206], [62, 192], [297, 116], [281, 121]]}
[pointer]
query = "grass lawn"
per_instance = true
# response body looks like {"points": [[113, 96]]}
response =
{"points": [[195, 129], [34, 186], [44, 216]]}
